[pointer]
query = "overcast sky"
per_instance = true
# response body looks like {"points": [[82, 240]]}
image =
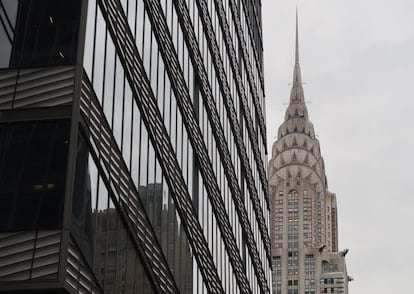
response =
{"points": [[357, 59]]}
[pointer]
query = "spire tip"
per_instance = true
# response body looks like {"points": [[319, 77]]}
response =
{"points": [[297, 38]]}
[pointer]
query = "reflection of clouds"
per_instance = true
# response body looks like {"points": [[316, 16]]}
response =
{"points": [[5, 50], [90, 27], [109, 79], [93, 172], [7, 27], [118, 102], [146, 44], [128, 109], [11, 9], [99, 54]]}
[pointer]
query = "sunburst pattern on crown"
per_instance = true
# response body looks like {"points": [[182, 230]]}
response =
{"points": [[296, 153]]}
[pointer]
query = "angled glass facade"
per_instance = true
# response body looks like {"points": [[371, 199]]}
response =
{"points": [[132, 147]]}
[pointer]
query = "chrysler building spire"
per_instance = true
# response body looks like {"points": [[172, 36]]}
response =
{"points": [[297, 39], [297, 108], [297, 76]]}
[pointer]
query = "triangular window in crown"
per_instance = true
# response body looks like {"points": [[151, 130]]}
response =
{"points": [[305, 144], [306, 160], [294, 158]]}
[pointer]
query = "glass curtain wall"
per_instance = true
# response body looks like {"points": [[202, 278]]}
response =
{"points": [[104, 67]]}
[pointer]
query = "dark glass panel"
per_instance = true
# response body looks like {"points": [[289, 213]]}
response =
{"points": [[82, 229], [38, 32], [65, 49], [33, 176], [40, 49], [32, 179], [11, 149]]}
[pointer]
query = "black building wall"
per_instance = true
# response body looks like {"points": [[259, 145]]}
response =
{"points": [[147, 171]]}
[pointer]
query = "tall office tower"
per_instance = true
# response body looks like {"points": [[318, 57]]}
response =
{"points": [[132, 147], [304, 229]]}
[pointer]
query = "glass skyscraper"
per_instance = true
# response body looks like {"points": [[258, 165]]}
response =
{"points": [[133, 147]]}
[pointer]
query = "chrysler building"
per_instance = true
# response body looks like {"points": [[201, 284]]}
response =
{"points": [[304, 228]]}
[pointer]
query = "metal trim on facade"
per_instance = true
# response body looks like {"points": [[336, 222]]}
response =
{"points": [[36, 87]]}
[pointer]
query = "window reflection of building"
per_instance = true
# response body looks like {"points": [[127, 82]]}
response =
{"points": [[82, 220], [170, 231], [113, 250]]}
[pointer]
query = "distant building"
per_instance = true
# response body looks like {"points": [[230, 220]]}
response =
{"points": [[111, 243], [304, 228], [133, 147]]}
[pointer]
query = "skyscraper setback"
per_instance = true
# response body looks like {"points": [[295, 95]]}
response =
{"points": [[133, 147], [304, 228]]}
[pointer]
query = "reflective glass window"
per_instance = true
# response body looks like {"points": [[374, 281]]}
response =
{"points": [[8, 13], [38, 32]]}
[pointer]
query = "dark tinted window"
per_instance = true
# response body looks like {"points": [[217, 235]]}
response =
{"points": [[38, 32], [82, 203], [33, 160]]}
